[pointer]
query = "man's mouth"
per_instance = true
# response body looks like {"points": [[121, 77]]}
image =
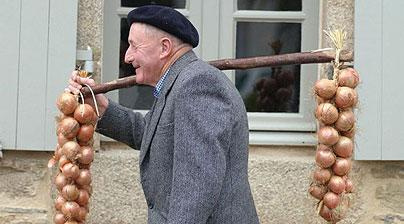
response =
{"points": [[135, 67]]}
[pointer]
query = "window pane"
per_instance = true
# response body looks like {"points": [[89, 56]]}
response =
{"points": [[269, 89], [137, 97], [270, 5], [136, 3]]}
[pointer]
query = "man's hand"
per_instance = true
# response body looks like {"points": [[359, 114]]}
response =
{"points": [[76, 83]]}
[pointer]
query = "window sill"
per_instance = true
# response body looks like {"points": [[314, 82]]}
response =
{"points": [[273, 138], [283, 138]]}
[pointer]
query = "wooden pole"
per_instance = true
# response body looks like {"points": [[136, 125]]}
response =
{"points": [[240, 63]]}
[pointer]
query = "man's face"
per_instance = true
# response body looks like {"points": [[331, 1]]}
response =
{"points": [[144, 55]]}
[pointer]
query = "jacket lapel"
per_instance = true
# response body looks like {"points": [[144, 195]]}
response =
{"points": [[160, 102]]}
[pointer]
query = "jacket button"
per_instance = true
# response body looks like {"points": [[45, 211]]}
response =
{"points": [[151, 205]]}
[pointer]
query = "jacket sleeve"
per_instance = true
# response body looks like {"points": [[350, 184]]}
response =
{"points": [[122, 124], [201, 133]]}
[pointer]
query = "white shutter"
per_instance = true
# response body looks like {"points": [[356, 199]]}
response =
{"points": [[378, 47], [9, 57], [40, 59]]}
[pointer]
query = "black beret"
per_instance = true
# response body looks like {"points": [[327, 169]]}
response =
{"points": [[167, 19]]}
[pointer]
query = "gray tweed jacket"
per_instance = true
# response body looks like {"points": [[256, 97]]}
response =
{"points": [[193, 147]]}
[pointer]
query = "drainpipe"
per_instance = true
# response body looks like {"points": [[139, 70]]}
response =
{"points": [[87, 57], [1, 151]]}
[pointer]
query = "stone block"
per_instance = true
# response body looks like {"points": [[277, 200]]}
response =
{"points": [[21, 177], [391, 195]]}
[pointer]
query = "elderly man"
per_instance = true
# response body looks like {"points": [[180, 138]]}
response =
{"points": [[194, 141]]}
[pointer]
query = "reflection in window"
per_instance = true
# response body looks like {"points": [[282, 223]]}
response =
{"points": [[269, 89], [137, 97], [180, 4], [270, 5]]}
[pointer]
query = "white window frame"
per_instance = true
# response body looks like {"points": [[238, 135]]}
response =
{"points": [[216, 23], [285, 128]]}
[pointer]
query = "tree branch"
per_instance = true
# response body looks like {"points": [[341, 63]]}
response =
{"points": [[282, 59], [240, 63]]}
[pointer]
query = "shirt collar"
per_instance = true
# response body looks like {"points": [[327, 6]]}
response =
{"points": [[160, 84]]}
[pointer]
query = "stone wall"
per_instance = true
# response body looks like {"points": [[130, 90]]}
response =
{"points": [[279, 176], [24, 188], [89, 31]]}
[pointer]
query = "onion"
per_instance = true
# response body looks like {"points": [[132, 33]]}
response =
{"points": [[70, 149], [325, 213], [82, 214], [94, 120], [348, 77], [60, 117], [356, 98], [51, 162], [327, 135], [318, 191], [63, 161], [345, 121], [60, 181], [345, 97], [344, 147], [349, 186], [320, 100], [85, 133], [350, 133], [83, 198], [70, 170], [86, 155], [84, 166], [62, 139], [325, 158], [341, 166], [56, 157], [68, 127], [59, 202], [87, 188], [342, 209], [71, 209], [72, 222], [58, 152], [283, 95], [59, 218], [331, 200], [88, 143], [84, 114], [322, 175], [285, 78], [325, 88], [327, 113], [336, 184], [84, 177], [323, 147], [267, 86], [66, 103], [70, 192]]}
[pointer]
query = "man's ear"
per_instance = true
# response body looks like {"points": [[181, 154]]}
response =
{"points": [[166, 47]]}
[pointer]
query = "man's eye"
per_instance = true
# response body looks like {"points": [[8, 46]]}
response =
{"points": [[133, 47]]}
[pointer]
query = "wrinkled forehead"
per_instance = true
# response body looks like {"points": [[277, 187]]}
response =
{"points": [[144, 32], [137, 32]]}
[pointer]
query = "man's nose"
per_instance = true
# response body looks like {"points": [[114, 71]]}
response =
{"points": [[128, 57]]}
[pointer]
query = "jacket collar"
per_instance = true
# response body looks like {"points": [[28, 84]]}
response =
{"points": [[159, 102]]}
